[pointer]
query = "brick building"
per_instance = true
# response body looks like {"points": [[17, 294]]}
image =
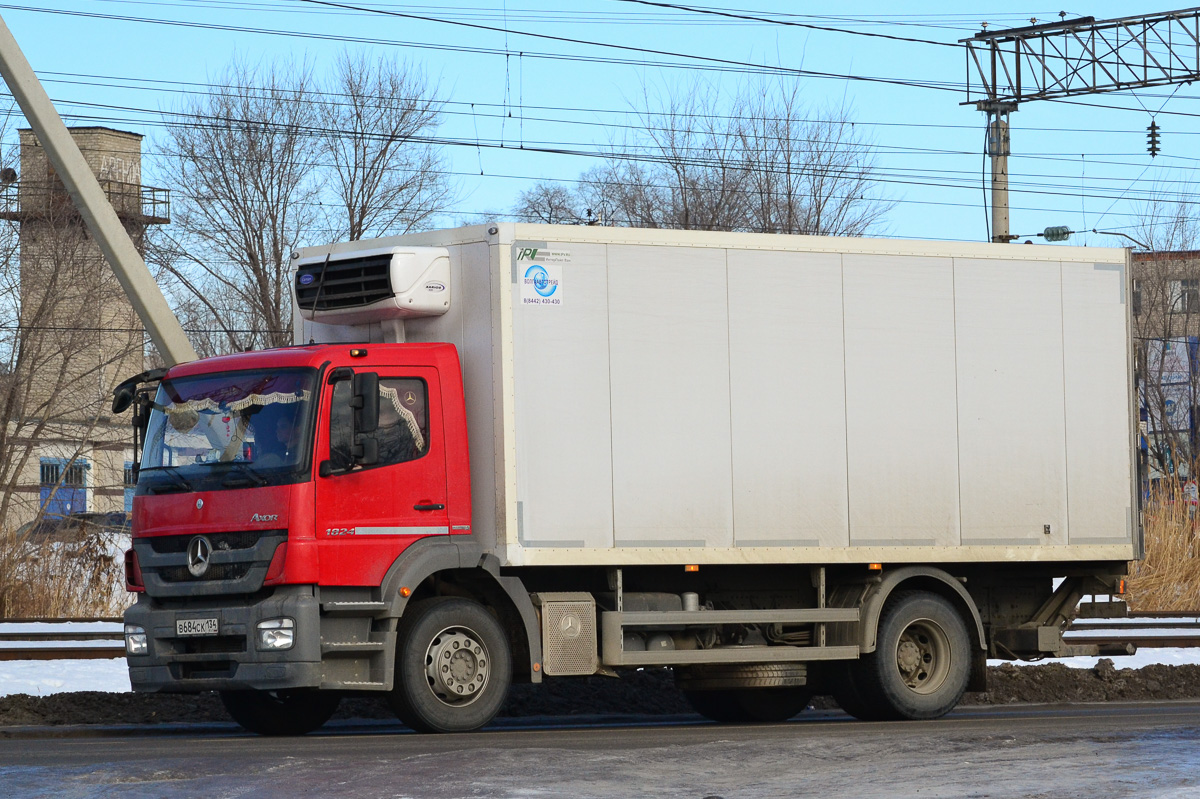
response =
{"points": [[80, 335]]}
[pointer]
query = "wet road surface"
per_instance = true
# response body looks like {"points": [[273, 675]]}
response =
{"points": [[1144, 750]]}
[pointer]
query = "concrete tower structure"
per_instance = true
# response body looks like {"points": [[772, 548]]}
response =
{"points": [[82, 335]]}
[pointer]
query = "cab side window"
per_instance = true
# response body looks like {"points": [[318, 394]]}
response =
{"points": [[341, 425], [403, 433]]}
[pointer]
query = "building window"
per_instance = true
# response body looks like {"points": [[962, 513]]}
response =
{"points": [[64, 486], [51, 471], [1137, 297], [1185, 296]]}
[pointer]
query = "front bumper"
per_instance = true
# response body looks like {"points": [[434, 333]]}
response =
{"points": [[231, 659]]}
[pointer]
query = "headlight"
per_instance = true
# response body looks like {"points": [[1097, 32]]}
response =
{"points": [[276, 634], [135, 640]]}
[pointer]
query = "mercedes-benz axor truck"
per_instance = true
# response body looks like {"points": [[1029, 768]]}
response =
{"points": [[778, 465]]}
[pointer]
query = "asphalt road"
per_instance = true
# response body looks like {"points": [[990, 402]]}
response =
{"points": [[1093, 751]]}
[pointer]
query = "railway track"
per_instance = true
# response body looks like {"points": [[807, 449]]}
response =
{"points": [[61, 639], [102, 638]]}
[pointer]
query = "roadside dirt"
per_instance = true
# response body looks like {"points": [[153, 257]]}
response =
{"points": [[650, 692]]}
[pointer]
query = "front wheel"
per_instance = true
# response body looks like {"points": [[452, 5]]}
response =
{"points": [[453, 666], [280, 712], [921, 663]]}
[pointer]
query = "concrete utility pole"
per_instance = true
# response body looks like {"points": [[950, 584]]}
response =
{"points": [[97, 212], [1068, 58], [998, 149]]}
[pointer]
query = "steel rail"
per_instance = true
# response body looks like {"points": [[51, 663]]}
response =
{"points": [[1175, 624]]}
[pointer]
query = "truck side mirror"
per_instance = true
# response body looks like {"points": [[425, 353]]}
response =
{"points": [[354, 418], [365, 401], [366, 451], [122, 399]]}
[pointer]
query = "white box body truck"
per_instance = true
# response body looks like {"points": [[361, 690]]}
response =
{"points": [[779, 465]]}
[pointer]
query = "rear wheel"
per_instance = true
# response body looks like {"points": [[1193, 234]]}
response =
{"points": [[280, 712], [453, 666], [740, 705], [921, 663]]}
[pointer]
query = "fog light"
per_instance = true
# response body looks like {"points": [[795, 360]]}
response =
{"points": [[135, 640], [276, 634]]}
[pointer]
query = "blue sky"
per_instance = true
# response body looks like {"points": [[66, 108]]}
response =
{"points": [[509, 92]]}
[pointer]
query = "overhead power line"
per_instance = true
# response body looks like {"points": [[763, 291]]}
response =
{"points": [[689, 60], [188, 88], [730, 15]]}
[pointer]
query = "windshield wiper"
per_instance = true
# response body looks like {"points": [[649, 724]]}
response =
{"points": [[250, 478], [179, 483]]}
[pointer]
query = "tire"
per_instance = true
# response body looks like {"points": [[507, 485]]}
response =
{"points": [[280, 712], [845, 692], [921, 663], [718, 706], [742, 705], [466, 692]]}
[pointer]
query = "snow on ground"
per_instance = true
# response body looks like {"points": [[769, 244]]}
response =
{"points": [[1167, 656], [42, 677]]}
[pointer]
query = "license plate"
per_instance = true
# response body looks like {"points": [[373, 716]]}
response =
{"points": [[196, 627]]}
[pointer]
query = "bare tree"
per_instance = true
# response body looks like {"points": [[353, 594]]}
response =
{"points": [[549, 203], [242, 159], [809, 176], [753, 163], [1166, 323], [387, 175]]}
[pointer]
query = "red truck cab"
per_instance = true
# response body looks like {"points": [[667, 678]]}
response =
{"points": [[266, 478]]}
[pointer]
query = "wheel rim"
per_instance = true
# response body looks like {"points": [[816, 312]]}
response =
{"points": [[457, 666], [923, 656]]}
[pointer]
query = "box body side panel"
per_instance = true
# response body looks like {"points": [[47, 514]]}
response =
{"points": [[902, 443], [563, 415], [1011, 402], [672, 480], [1095, 346], [788, 399]]}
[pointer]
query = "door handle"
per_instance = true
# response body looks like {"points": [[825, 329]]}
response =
{"points": [[431, 506]]}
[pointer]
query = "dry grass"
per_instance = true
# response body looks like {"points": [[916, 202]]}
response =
{"points": [[84, 577], [1169, 577]]}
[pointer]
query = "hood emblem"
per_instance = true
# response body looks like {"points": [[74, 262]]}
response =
{"points": [[199, 504], [198, 552]]}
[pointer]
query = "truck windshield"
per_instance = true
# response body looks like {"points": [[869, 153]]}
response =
{"points": [[229, 430]]}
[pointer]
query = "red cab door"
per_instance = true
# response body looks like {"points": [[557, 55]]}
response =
{"points": [[367, 515]]}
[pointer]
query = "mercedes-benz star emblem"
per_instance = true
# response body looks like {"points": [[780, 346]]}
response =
{"points": [[198, 552]]}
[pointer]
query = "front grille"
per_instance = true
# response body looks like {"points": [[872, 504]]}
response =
{"points": [[226, 571], [237, 565], [173, 544], [348, 283]]}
